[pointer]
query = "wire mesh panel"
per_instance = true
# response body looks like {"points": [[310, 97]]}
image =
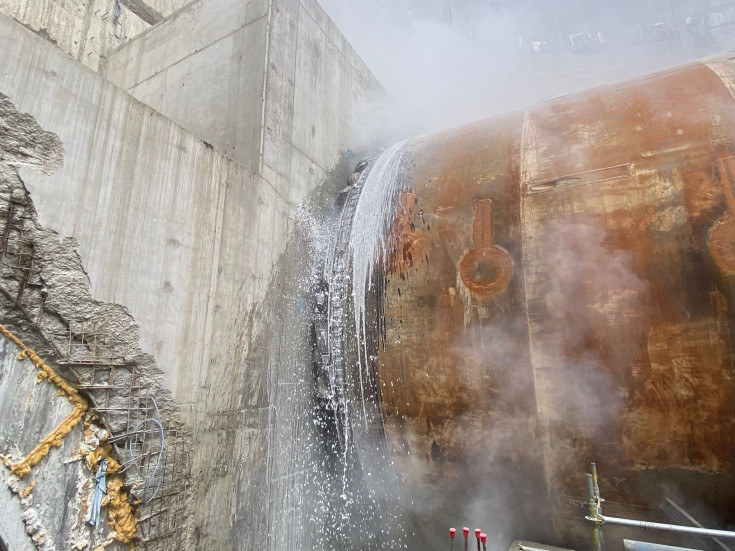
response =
{"points": [[163, 519], [154, 457], [17, 249], [144, 457]]}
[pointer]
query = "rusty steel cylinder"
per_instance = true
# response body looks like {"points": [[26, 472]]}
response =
{"points": [[557, 287]]}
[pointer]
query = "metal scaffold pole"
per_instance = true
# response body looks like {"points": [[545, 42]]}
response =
{"points": [[668, 527], [593, 491]]}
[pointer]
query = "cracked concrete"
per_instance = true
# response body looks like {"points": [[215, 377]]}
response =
{"points": [[45, 299]]}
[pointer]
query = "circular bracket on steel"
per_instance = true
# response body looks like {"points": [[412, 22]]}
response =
{"points": [[486, 270]]}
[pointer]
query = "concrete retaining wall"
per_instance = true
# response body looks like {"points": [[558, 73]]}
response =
{"points": [[88, 29], [272, 83], [177, 232], [184, 229]]}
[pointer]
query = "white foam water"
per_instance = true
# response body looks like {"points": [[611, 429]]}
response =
{"points": [[372, 220]]}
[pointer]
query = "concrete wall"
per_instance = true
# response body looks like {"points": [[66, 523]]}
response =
{"points": [[141, 196], [88, 29], [181, 210], [203, 68], [319, 99], [154, 10], [84, 30], [273, 84], [177, 232]]}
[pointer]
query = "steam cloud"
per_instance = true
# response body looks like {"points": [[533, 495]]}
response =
{"points": [[590, 286], [444, 64]]}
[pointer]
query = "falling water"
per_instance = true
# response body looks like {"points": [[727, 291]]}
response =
{"points": [[371, 222], [359, 247], [295, 461], [331, 481], [369, 248]]}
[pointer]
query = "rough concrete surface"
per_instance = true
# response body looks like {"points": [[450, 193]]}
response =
{"points": [[319, 96], [45, 300], [153, 11], [86, 30]]}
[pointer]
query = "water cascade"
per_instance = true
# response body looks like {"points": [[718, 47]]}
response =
{"points": [[332, 478]]}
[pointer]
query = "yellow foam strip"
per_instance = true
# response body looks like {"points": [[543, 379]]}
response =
{"points": [[120, 512], [54, 438]]}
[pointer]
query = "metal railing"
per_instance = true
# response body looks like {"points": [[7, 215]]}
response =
{"points": [[598, 519]]}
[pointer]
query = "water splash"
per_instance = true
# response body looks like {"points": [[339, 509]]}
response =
{"points": [[327, 472], [368, 246]]}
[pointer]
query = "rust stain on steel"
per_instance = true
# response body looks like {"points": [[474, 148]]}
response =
{"points": [[612, 340], [450, 402], [407, 243], [485, 269], [722, 236]]}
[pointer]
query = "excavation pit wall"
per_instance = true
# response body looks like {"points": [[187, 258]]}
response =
{"points": [[55, 334], [178, 233], [175, 243]]}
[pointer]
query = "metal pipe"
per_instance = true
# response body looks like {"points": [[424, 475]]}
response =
{"points": [[466, 532], [631, 545], [590, 488], [595, 485], [668, 527], [477, 535], [452, 534], [598, 502], [483, 539]]}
